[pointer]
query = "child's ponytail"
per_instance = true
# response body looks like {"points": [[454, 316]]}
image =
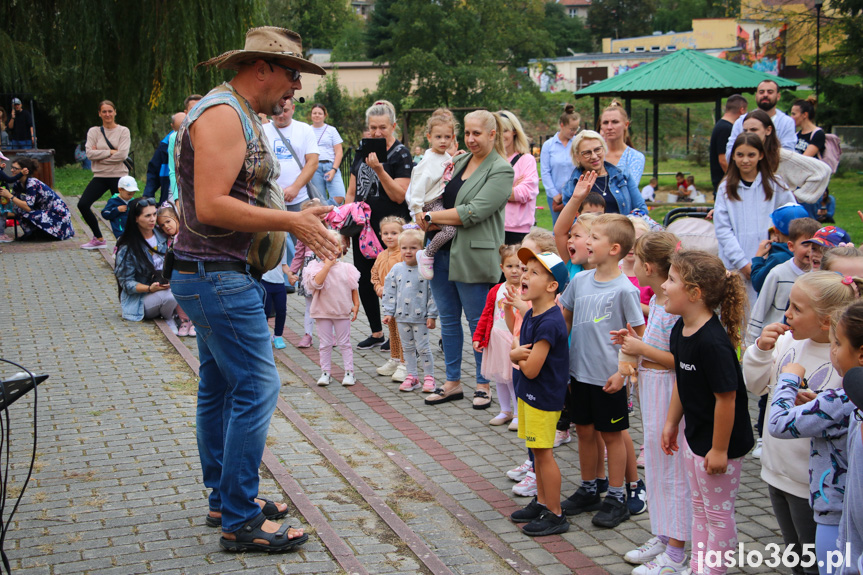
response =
{"points": [[720, 288]]}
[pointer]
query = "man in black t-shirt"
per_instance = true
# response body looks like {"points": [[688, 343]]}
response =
{"points": [[735, 107], [21, 135]]}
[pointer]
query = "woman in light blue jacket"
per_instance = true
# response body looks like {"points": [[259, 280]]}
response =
{"points": [[144, 292], [620, 193]]}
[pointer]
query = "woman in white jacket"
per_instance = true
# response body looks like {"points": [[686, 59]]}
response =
{"points": [[806, 177]]}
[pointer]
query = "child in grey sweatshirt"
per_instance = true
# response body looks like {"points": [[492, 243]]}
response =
{"points": [[851, 527]]}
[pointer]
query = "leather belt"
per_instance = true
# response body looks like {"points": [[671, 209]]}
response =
{"points": [[220, 266]]}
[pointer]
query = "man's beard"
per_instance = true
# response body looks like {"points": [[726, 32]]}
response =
{"points": [[766, 106], [277, 110]]}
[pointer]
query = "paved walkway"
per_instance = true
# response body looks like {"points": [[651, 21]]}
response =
{"points": [[392, 485]]}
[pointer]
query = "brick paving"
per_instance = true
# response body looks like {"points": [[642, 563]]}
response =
{"points": [[117, 486]]}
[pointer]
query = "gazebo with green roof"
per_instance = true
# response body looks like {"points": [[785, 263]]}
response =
{"points": [[685, 76]]}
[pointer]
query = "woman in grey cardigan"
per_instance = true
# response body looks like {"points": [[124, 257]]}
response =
{"points": [[474, 201]]}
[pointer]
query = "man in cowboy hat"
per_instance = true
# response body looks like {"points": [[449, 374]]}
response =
{"points": [[231, 204]]}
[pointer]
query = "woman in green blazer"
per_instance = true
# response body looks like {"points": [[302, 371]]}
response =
{"points": [[464, 271]]}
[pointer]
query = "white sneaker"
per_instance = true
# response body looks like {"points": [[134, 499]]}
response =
{"points": [[561, 437], [400, 373], [661, 565], [426, 265], [756, 453], [389, 367], [349, 379], [324, 379], [526, 487], [520, 472], [650, 550]]}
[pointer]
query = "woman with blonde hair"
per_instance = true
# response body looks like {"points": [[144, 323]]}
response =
{"points": [[525, 187], [474, 201], [614, 127], [619, 191]]}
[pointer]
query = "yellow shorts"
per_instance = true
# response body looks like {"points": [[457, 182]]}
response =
{"points": [[536, 427]]}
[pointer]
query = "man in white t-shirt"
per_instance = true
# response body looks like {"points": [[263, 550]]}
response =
{"points": [[292, 179], [301, 138]]}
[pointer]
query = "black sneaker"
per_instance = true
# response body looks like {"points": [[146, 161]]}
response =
{"points": [[611, 514], [580, 501], [386, 346], [529, 513], [546, 524], [602, 485], [371, 342]]}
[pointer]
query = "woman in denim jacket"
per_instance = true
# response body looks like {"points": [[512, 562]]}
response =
{"points": [[144, 292], [620, 193]]}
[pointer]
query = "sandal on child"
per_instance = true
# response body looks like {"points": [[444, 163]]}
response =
{"points": [[270, 511], [248, 535]]}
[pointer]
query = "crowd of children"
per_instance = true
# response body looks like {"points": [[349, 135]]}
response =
{"points": [[609, 311]]}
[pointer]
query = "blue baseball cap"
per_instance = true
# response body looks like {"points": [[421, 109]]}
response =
{"points": [[783, 215], [549, 261]]}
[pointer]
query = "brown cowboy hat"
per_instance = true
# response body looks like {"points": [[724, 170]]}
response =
{"points": [[268, 43]]}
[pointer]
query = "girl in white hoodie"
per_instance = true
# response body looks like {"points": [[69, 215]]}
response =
{"points": [[804, 341], [745, 199]]}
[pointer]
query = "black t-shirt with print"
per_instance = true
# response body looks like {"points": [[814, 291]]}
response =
{"points": [[398, 164], [816, 137], [705, 364]]}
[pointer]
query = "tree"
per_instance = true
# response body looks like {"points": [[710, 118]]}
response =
{"points": [[351, 45], [841, 67], [453, 53], [620, 18], [564, 31], [320, 22], [71, 54]]}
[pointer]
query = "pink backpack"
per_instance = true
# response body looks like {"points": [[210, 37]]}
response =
{"points": [[356, 213], [832, 150]]}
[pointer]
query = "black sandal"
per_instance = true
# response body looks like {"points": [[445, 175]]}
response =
{"points": [[251, 531], [270, 511]]}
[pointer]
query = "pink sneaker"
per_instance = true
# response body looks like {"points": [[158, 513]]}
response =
{"points": [[305, 341], [428, 384], [4, 239], [192, 332], [410, 383], [426, 265], [639, 461], [94, 244]]}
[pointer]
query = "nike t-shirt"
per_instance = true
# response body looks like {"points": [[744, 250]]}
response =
{"points": [[597, 309], [705, 364]]}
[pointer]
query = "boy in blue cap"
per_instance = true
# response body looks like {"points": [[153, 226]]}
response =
{"points": [[542, 355], [773, 252]]}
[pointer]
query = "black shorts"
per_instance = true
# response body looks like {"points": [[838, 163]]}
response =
{"points": [[592, 406]]}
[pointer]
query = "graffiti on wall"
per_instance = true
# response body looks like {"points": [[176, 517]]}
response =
{"points": [[762, 47], [621, 68]]}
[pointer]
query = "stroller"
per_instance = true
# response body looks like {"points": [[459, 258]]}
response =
{"points": [[694, 230]]}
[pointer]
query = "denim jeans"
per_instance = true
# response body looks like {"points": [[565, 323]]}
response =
{"points": [[21, 144], [554, 214], [451, 298], [334, 188], [238, 387]]}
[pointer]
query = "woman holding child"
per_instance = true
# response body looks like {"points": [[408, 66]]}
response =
{"points": [[143, 290], [619, 191], [474, 201]]}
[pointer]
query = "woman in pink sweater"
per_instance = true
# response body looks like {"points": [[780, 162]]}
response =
{"points": [[520, 207], [335, 303], [107, 147]]}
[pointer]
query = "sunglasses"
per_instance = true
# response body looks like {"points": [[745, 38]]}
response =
{"points": [[147, 202], [293, 74]]}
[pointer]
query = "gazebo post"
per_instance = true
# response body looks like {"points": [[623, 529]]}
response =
{"points": [[718, 112], [628, 106], [596, 113], [656, 140]]}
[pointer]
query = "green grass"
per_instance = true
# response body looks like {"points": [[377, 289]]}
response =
{"points": [[71, 180]]}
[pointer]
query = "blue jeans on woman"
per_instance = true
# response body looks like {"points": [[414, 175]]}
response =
{"points": [[335, 188], [451, 298], [238, 387]]}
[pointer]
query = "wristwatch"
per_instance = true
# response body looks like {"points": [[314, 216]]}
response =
{"points": [[427, 217]]}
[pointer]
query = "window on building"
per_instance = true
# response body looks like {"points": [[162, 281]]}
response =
{"points": [[623, 50], [656, 48], [670, 48], [639, 49], [573, 12]]}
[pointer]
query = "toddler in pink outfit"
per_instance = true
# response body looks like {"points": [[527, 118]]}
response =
{"points": [[335, 303]]}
